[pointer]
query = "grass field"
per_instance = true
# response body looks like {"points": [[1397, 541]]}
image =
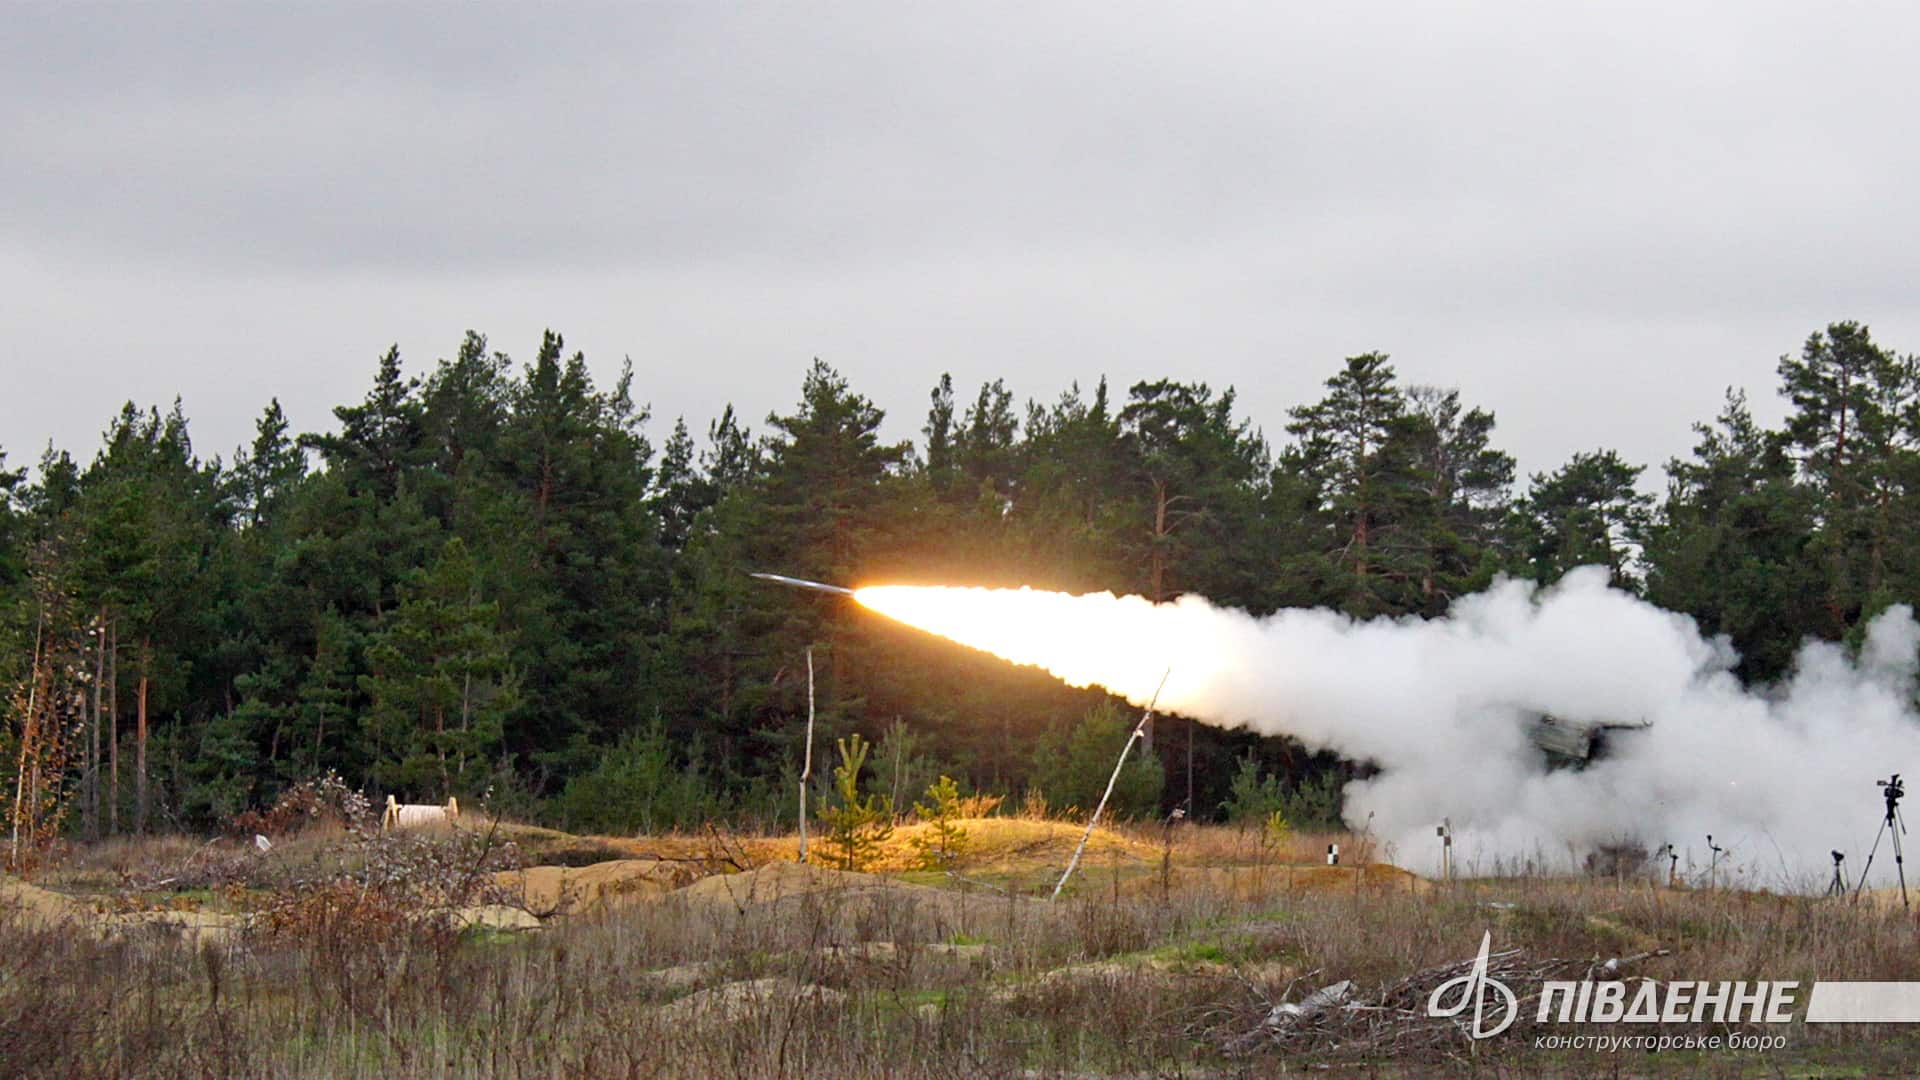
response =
{"points": [[342, 953]]}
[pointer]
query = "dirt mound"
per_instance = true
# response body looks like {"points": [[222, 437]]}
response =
{"points": [[37, 905], [44, 907], [775, 882], [579, 890], [493, 917], [194, 927], [1006, 844]]}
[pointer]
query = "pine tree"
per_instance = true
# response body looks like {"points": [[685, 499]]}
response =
{"points": [[1587, 512], [856, 826], [1732, 545], [942, 843], [1357, 453], [379, 439], [1855, 426], [440, 683], [1465, 483]]}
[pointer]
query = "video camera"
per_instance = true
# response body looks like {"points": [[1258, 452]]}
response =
{"points": [[1896, 789]]}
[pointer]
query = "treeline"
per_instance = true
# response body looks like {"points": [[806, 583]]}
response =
{"points": [[489, 579]]}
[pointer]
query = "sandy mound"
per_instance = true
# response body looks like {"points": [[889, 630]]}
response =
{"points": [[37, 905], [494, 917], [775, 882], [43, 907], [1002, 844], [194, 927], [578, 890]]}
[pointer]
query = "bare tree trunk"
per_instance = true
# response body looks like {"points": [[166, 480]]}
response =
{"points": [[466, 721], [1157, 566], [1156, 584], [806, 769], [1190, 726], [113, 727], [28, 726], [440, 746], [140, 742], [93, 745]]}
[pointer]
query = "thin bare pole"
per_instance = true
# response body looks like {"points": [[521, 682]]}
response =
{"points": [[806, 769], [28, 725], [1139, 732], [93, 747]]}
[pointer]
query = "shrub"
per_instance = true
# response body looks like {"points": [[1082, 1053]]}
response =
{"points": [[856, 827], [1256, 796], [641, 785], [943, 841], [325, 800]]}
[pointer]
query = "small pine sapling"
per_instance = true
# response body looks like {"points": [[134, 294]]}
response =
{"points": [[856, 827], [943, 841]]}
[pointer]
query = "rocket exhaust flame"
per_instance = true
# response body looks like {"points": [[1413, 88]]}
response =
{"points": [[1443, 707], [1120, 643]]}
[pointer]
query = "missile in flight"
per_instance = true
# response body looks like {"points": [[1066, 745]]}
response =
{"points": [[802, 583]]}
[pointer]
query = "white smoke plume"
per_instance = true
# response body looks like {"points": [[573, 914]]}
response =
{"points": [[1779, 776]]}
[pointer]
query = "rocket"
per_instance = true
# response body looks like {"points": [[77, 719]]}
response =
{"points": [[802, 583]]}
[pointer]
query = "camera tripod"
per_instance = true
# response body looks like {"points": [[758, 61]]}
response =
{"points": [[1895, 824], [1838, 886]]}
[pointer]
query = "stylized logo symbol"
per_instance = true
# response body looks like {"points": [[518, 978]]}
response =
{"points": [[1473, 991]]}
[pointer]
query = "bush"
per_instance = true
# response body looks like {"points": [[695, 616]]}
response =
{"points": [[326, 800], [901, 766], [856, 827], [642, 785], [943, 841], [1256, 796]]}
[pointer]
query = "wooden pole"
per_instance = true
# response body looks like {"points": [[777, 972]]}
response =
{"points": [[28, 725], [1139, 732], [806, 768], [140, 744], [93, 746], [113, 727]]}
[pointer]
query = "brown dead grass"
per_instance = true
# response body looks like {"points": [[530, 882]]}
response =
{"points": [[1280, 882], [808, 971], [37, 905], [1014, 845]]}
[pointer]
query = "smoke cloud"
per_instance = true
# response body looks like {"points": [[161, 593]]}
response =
{"points": [[1779, 776]]}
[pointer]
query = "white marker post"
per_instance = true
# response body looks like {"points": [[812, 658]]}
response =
{"points": [[806, 770]]}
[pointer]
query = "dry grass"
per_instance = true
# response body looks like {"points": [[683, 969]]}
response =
{"points": [[801, 971]]}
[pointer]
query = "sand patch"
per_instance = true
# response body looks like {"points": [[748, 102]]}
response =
{"points": [[494, 917], [546, 891], [36, 905]]}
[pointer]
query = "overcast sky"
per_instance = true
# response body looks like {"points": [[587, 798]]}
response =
{"points": [[1591, 222]]}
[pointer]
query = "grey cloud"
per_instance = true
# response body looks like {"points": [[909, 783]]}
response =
{"points": [[1635, 205]]}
